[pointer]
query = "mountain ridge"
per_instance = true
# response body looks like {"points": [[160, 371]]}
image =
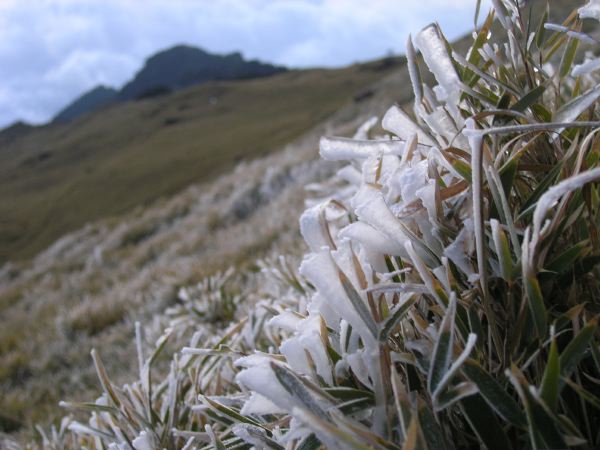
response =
{"points": [[166, 71], [182, 66]]}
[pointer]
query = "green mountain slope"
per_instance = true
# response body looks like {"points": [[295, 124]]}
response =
{"points": [[56, 178]]}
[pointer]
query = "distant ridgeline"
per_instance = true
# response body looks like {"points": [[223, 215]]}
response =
{"points": [[168, 71]]}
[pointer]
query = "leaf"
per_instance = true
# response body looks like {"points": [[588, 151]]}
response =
{"points": [[351, 397], [486, 95], [324, 429], [214, 439], [568, 317], [541, 31], [93, 407], [358, 303], [296, 388], [542, 428], [585, 265], [555, 43], [507, 175], [502, 250], [494, 394], [550, 381], [470, 344], [455, 394], [536, 304], [595, 354], [543, 424], [434, 437], [442, 350], [362, 433], [475, 325], [79, 428], [412, 441], [568, 57], [528, 99], [104, 380], [575, 350], [224, 410], [463, 168], [564, 261], [403, 406], [529, 205], [413, 70], [434, 287], [571, 110], [476, 17], [474, 55], [502, 205], [162, 342], [502, 105], [584, 394], [256, 436], [484, 423], [310, 443], [396, 317], [542, 112]]}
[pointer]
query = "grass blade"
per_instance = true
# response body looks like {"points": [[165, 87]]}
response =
{"points": [[550, 382], [442, 351], [494, 394]]}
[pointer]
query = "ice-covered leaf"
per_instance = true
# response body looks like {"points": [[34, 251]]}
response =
{"points": [[570, 111], [343, 149], [398, 122], [372, 239], [143, 442], [552, 196], [586, 67], [314, 229], [432, 44], [591, 10]]}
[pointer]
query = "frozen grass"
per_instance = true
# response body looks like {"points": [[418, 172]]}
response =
{"points": [[450, 296]]}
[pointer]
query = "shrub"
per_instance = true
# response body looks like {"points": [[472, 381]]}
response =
{"points": [[451, 292]]}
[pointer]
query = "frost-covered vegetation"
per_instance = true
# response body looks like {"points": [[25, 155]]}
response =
{"points": [[450, 295]]}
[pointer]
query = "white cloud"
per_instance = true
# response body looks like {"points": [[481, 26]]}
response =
{"points": [[53, 50]]}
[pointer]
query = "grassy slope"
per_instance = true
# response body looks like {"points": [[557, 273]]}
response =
{"points": [[54, 309], [35, 397], [57, 178]]}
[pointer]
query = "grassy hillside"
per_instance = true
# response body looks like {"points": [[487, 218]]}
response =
{"points": [[86, 289], [56, 178]]}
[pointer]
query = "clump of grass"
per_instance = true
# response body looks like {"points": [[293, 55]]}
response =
{"points": [[450, 298], [92, 316], [138, 233]]}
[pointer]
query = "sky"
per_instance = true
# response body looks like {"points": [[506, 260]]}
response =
{"points": [[51, 51]]}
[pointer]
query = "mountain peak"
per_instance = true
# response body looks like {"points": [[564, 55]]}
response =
{"points": [[169, 70], [182, 65]]}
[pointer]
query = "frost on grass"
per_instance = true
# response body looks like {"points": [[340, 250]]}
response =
{"points": [[591, 10], [450, 289]]}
